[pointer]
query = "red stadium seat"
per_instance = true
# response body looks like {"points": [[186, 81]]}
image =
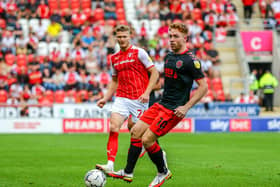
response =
{"points": [[75, 5], [119, 4], [59, 96], [10, 59], [49, 95], [2, 23], [64, 4], [86, 4], [120, 14], [111, 22], [87, 12], [98, 14], [30, 58], [82, 93], [21, 60], [201, 24], [3, 96], [53, 4], [196, 14]]}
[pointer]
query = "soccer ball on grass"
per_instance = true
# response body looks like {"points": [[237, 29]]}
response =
{"points": [[95, 178]]}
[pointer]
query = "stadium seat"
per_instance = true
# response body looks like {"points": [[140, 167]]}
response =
{"points": [[120, 14], [75, 5], [33, 23], [21, 60], [52, 46], [82, 93], [196, 14], [64, 46], [111, 22], [10, 59], [49, 95], [87, 12], [86, 4], [53, 4], [59, 96], [65, 36], [42, 49], [119, 4], [98, 14], [30, 58], [64, 4], [3, 96], [2, 23], [46, 22]]}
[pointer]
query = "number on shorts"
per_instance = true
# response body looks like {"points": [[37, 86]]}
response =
{"points": [[162, 123], [139, 113]]}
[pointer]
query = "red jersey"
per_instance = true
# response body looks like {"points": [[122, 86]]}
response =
{"points": [[130, 67]]}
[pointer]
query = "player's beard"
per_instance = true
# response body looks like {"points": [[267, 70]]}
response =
{"points": [[175, 47]]}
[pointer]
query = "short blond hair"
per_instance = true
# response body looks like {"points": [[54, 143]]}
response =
{"points": [[122, 28], [180, 27]]}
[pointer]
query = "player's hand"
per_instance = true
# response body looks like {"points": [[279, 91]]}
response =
{"points": [[180, 111], [144, 98], [101, 102]]}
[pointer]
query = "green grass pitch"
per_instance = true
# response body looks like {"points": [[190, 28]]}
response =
{"points": [[225, 159]]}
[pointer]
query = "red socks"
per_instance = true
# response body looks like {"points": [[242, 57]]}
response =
{"points": [[112, 146]]}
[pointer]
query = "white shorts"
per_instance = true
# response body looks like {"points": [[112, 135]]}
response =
{"points": [[125, 107]]}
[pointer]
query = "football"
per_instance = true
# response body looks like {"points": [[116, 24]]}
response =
{"points": [[95, 178]]}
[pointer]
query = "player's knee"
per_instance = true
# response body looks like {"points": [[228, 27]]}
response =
{"points": [[114, 127], [147, 142], [134, 133]]}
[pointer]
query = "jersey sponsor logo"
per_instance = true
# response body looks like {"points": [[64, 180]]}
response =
{"points": [[124, 61], [179, 64], [170, 73], [196, 64]]}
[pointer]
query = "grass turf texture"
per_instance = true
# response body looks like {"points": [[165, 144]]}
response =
{"points": [[235, 159]]}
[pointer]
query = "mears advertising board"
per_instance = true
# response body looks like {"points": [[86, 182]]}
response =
{"points": [[33, 111], [26, 125], [84, 125]]}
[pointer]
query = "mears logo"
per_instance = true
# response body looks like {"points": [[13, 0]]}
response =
{"points": [[83, 125], [240, 125], [273, 124], [219, 125]]}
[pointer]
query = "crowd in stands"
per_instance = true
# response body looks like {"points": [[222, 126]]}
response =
{"points": [[59, 50]]}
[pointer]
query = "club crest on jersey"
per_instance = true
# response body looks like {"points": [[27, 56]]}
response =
{"points": [[179, 64], [196, 64]]}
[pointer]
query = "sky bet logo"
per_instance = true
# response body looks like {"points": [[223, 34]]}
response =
{"points": [[273, 124], [240, 125], [219, 125]]}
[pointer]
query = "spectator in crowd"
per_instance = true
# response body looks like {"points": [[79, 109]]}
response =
{"points": [[248, 9], [268, 83], [48, 82], [71, 78], [153, 9], [32, 8], [252, 98], [53, 31], [43, 10], [110, 9], [8, 43], [22, 8], [58, 79], [33, 42], [41, 31], [241, 98], [253, 81]]}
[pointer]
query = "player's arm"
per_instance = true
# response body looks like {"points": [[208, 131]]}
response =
{"points": [[110, 92], [154, 75], [198, 94], [151, 85]]}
